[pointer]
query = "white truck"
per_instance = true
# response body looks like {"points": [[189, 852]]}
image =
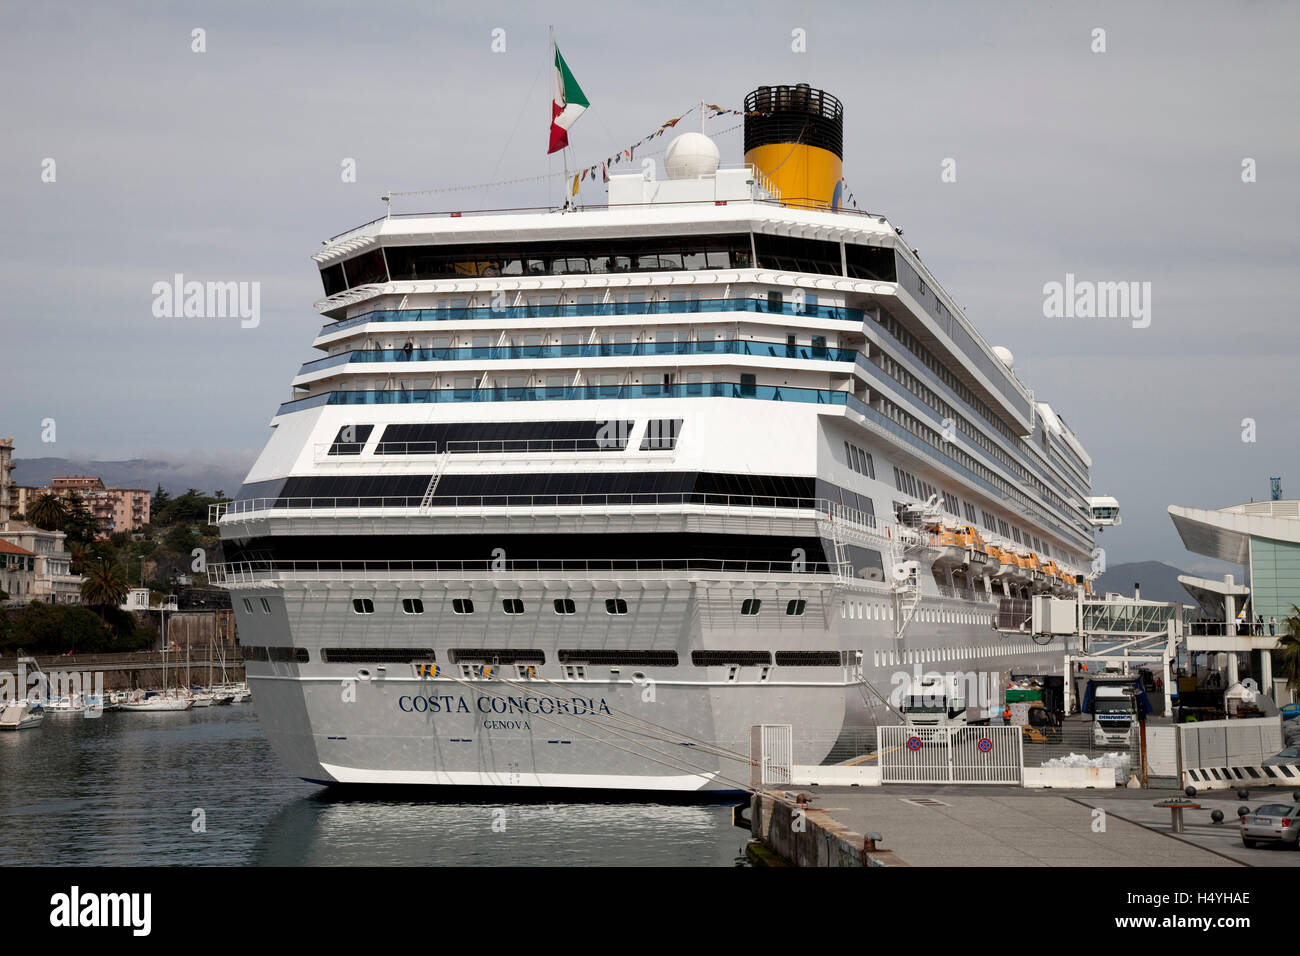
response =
{"points": [[938, 700], [1114, 713]]}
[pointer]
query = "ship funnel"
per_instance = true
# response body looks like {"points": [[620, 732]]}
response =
{"points": [[794, 135]]}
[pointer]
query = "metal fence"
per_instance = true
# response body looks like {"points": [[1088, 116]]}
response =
{"points": [[950, 754]]}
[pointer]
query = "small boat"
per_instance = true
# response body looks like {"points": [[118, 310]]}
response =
{"points": [[66, 705], [20, 715], [238, 692], [157, 702]]}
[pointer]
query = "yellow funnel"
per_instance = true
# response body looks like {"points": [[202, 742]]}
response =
{"points": [[794, 135]]}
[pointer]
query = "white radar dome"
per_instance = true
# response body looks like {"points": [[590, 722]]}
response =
{"points": [[1004, 355], [691, 156]]}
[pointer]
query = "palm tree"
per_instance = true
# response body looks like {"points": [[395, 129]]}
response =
{"points": [[1286, 656], [48, 512], [105, 585], [80, 556]]}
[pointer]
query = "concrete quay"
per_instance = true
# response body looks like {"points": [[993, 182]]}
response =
{"points": [[921, 825]]}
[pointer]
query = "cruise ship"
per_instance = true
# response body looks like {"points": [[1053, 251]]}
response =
{"points": [[576, 497]]}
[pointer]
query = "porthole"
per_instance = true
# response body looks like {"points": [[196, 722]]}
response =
{"points": [[615, 606], [412, 606], [796, 607], [462, 606], [565, 606], [363, 606], [750, 606], [512, 606]]}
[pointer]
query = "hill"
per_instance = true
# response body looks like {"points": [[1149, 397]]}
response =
{"points": [[146, 473], [1159, 581]]}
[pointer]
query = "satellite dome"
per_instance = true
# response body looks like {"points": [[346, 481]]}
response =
{"points": [[1004, 355], [691, 156]]}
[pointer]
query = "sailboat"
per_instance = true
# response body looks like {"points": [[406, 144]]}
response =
{"points": [[167, 699]]}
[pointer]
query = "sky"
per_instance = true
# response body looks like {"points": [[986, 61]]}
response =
{"points": [[1122, 164]]}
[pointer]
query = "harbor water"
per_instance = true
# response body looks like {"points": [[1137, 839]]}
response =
{"points": [[204, 788]]}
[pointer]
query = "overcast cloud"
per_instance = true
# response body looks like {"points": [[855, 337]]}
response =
{"points": [[225, 165]]}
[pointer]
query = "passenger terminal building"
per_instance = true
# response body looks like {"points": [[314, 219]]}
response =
{"points": [[1264, 536]]}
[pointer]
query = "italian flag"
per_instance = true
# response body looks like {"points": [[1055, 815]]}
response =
{"points": [[567, 105]]}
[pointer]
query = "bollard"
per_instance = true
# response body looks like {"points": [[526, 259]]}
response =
{"points": [[1216, 816], [1243, 793], [1190, 791]]}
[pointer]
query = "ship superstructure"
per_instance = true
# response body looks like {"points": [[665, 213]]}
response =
{"points": [[573, 498]]}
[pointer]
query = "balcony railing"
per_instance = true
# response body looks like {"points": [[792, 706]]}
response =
{"points": [[558, 393], [593, 309], [404, 506], [595, 350], [252, 572]]}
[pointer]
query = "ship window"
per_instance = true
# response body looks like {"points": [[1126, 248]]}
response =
{"points": [[750, 606], [615, 606], [332, 279], [565, 606], [512, 606], [376, 655], [723, 658], [248, 605], [462, 606], [266, 606], [285, 655], [796, 608], [870, 262], [412, 606], [808, 659], [661, 434], [618, 658], [575, 672], [363, 606], [775, 301], [496, 655]]}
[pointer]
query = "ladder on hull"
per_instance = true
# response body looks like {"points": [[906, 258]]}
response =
{"points": [[426, 503]]}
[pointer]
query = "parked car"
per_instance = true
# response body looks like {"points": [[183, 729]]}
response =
{"points": [[1290, 754], [1272, 822]]}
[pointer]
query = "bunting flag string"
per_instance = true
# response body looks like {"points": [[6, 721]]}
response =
{"points": [[603, 168]]}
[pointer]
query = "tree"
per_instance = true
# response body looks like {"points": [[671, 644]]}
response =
{"points": [[80, 556], [105, 585], [80, 524], [48, 512], [1286, 656]]}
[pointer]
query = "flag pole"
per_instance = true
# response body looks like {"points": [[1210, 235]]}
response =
{"points": [[564, 153]]}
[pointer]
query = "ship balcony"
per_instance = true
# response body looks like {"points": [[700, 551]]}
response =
{"points": [[558, 572], [678, 512], [762, 306]]}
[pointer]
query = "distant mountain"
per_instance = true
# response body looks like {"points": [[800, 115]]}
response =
{"points": [[147, 473], [1159, 581]]}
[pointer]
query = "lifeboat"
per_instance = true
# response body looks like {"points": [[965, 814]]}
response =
{"points": [[951, 547], [977, 556], [1034, 569]]}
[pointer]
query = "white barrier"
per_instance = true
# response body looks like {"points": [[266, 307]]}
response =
{"points": [[836, 776], [1070, 778]]}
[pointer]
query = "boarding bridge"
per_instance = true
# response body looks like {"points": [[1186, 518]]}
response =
{"points": [[1132, 632]]}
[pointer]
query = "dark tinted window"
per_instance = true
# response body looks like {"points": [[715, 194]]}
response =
{"points": [[332, 279], [797, 255], [870, 262], [365, 268]]}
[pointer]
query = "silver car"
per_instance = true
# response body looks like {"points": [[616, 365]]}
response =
{"points": [[1273, 822]]}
